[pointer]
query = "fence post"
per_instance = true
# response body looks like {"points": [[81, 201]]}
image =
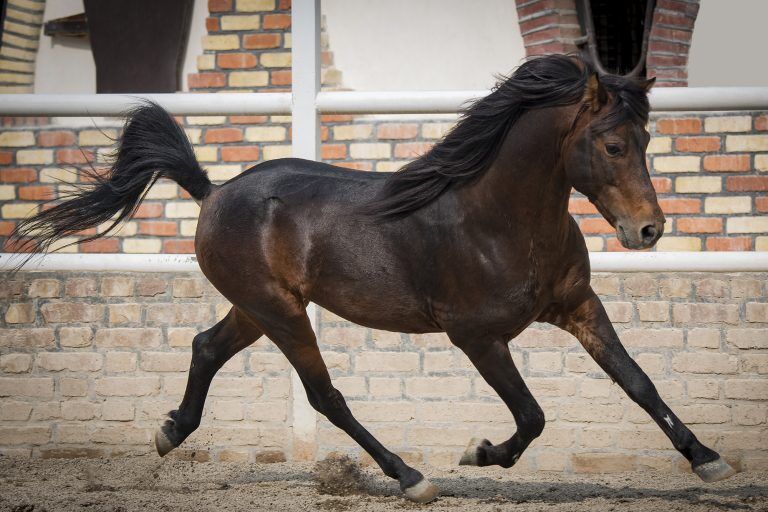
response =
{"points": [[305, 23]]}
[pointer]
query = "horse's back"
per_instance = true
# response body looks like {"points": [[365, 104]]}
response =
{"points": [[297, 180], [275, 201]]}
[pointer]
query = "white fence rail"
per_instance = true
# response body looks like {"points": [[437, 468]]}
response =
{"points": [[77, 105], [665, 99], [600, 261]]}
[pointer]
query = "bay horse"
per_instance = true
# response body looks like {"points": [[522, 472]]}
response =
{"points": [[473, 239]]}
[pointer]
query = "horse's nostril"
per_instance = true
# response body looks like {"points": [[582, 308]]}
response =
{"points": [[649, 233]]}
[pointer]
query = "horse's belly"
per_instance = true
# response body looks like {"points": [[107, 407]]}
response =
{"points": [[501, 307], [368, 293], [377, 309]]}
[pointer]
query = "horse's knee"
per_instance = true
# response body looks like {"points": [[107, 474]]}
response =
{"points": [[205, 351], [200, 342], [201, 347]]}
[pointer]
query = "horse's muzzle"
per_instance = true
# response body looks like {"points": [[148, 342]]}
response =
{"points": [[642, 235]]}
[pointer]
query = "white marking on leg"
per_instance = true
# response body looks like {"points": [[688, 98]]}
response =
{"points": [[669, 421]]}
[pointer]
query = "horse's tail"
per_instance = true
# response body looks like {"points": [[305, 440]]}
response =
{"points": [[152, 146]]}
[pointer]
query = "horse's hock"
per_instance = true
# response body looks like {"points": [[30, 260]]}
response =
{"points": [[89, 363]]}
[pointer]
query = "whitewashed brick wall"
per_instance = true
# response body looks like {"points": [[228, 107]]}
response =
{"points": [[89, 364]]}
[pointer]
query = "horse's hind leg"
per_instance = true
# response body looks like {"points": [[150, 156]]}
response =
{"points": [[494, 362], [210, 350], [290, 329], [591, 326]]}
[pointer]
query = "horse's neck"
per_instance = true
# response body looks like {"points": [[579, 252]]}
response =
{"points": [[527, 182]]}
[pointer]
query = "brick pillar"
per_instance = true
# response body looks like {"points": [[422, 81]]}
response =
{"points": [[670, 41], [548, 26], [18, 50], [248, 48], [551, 26]]}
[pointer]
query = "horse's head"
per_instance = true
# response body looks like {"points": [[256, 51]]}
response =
{"points": [[604, 158]]}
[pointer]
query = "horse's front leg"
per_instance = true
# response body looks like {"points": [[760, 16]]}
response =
{"points": [[494, 362], [590, 324]]}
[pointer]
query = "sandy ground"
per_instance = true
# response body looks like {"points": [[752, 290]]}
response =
{"points": [[149, 484]]}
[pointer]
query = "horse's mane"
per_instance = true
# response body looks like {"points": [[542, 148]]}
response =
{"points": [[471, 146]]}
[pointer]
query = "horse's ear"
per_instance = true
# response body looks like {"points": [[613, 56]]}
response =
{"points": [[595, 93], [649, 83]]}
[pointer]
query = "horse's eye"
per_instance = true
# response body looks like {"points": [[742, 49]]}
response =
{"points": [[613, 149]]}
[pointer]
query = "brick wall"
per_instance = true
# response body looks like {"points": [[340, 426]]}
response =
{"points": [[548, 26], [670, 41], [18, 48], [248, 48], [552, 26], [89, 364], [710, 172]]}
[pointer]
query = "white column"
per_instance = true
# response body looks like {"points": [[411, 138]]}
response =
{"points": [[305, 22], [305, 17]]}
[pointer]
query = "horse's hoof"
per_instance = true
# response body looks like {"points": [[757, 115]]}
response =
{"points": [[422, 492], [163, 445], [469, 458], [714, 471]]}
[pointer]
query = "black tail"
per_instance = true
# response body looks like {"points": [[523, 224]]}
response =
{"points": [[152, 146]]}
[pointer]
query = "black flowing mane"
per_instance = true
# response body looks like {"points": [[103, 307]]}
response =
{"points": [[471, 146]]}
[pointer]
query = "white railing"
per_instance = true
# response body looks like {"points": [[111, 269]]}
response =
{"points": [[191, 104], [666, 99], [600, 262]]}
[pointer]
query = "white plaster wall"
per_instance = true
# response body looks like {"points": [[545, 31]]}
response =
{"points": [[377, 44], [435, 44], [729, 44], [423, 44], [65, 65], [195, 42]]}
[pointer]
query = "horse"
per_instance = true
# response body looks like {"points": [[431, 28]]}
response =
{"points": [[473, 239]]}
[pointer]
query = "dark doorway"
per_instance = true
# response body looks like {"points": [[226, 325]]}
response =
{"points": [[138, 45], [619, 29]]}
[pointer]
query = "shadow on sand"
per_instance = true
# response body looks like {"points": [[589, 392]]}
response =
{"points": [[494, 490]]}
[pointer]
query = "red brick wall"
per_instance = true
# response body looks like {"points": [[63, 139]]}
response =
{"points": [[548, 26], [709, 172], [670, 41], [551, 26], [18, 48]]}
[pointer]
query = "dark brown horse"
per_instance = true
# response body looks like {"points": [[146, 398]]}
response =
{"points": [[473, 239]]}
